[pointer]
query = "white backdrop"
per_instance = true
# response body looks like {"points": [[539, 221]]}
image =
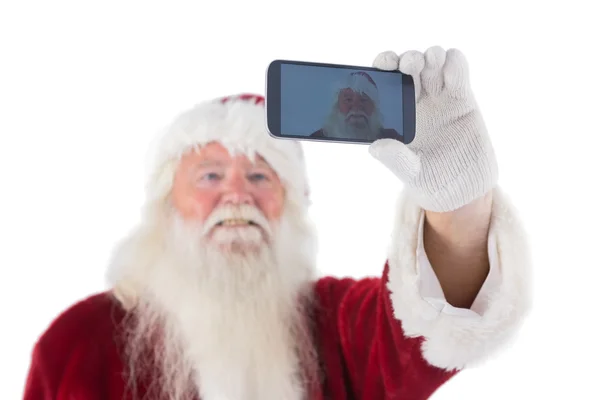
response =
{"points": [[84, 87]]}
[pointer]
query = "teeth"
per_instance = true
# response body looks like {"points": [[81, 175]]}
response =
{"points": [[231, 222]]}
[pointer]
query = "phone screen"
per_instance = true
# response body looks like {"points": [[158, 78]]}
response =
{"points": [[338, 103]]}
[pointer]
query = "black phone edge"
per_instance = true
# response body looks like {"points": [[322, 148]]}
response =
{"points": [[273, 101], [409, 109]]}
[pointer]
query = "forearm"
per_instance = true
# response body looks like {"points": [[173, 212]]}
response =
{"points": [[456, 245]]}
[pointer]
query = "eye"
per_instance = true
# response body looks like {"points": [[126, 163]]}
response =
{"points": [[257, 177], [211, 176]]}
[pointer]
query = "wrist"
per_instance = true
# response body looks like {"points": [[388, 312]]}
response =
{"points": [[463, 228]]}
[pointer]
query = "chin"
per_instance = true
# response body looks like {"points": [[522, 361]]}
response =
{"points": [[358, 125], [243, 239], [238, 249], [340, 126]]}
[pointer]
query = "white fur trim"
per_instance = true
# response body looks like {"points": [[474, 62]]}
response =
{"points": [[359, 83], [455, 341], [240, 126]]}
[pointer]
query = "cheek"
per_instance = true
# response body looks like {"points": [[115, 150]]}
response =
{"points": [[271, 203], [204, 202], [193, 204], [344, 108]]}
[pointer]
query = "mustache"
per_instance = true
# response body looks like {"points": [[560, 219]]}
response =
{"points": [[357, 114], [242, 213]]}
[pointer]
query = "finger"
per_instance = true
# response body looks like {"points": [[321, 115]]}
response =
{"points": [[397, 157], [432, 79], [456, 73], [387, 61], [412, 63]]}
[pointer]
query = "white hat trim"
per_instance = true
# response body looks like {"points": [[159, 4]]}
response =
{"points": [[360, 84], [237, 124]]}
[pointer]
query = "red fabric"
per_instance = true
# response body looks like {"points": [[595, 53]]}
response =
{"points": [[256, 98], [363, 351]]}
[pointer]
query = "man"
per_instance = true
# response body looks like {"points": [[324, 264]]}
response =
{"points": [[215, 296], [356, 113]]}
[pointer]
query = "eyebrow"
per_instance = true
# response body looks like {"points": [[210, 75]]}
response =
{"points": [[261, 163], [210, 163], [217, 163]]}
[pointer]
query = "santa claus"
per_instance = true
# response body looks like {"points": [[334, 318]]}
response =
{"points": [[356, 112], [215, 297]]}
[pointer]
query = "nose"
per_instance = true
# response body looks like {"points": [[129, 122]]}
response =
{"points": [[356, 105], [236, 191], [237, 198]]}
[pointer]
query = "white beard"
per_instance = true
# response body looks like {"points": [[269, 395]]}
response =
{"points": [[224, 325], [336, 126]]}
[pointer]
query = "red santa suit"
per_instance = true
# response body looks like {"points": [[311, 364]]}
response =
{"points": [[386, 337]]}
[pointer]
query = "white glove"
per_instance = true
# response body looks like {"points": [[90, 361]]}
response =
{"points": [[451, 161]]}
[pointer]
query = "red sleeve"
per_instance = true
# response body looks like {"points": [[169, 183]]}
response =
{"points": [[69, 358], [38, 385], [364, 349]]}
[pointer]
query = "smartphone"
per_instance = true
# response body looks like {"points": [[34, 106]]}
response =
{"points": [[338, 103]]}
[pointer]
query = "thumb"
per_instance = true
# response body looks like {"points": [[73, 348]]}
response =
{"points": [[397, 157]]}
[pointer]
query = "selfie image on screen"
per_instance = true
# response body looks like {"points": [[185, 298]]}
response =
{"points": [[340, 103]]}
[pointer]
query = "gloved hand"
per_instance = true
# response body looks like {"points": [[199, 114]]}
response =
{"points": [[451, 161]]}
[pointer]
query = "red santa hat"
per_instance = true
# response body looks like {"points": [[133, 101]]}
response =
{"points": [[238, 123], [360, 82]]}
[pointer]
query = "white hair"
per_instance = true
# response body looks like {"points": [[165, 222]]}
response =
{"points": [[335, 125], [204, 319]]}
